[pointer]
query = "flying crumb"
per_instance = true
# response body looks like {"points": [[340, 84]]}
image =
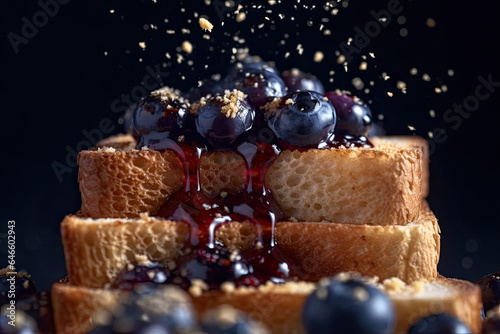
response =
{"points": [[205, 24], [318, 56], [142, 45], [430, 22], [241, 17], [363, 66], [412, 128], [390, 94], [187, 47], [358, 83]]}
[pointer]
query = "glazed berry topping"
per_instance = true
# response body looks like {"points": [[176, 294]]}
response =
{"points": [[303, 119], [153, 273], [296, 80], [490, 289], [353, 118], [23, 286], [213, 266], [258, 80], [163, 111], [348, 306], [221, 120], [439, 324]]}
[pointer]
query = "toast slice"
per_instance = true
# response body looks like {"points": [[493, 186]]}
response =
{"points": [[377, 186], [279, 307], [96, 250], [412, 141]]}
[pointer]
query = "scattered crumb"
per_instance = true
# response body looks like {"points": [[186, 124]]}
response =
{"points": [[205, 24], [187, 47], [318, 56], [430, 22]]}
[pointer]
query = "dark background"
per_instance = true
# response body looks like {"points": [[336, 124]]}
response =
{"points": [[61, 83]]}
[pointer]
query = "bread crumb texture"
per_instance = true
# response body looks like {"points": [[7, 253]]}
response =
{"points": [[365, 186]]}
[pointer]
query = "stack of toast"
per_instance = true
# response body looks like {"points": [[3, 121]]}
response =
{"points": [[360, 210]]}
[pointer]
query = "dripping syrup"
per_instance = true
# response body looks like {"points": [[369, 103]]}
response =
{"points": [[202, 256]]}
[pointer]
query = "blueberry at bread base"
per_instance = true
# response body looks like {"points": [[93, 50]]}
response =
{"points": [[279, 307], [377, 186]]}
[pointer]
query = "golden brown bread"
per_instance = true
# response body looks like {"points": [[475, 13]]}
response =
{"points": [[97, 250], [378, 186], [280, 307], [409, 252], [412, 141]]}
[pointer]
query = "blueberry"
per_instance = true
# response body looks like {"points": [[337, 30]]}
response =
{"points": [[353, 117], [157, 140], [128, 121], [301, 119], [23, 286], [23, 323], [439, 324], [348, 306], [39, 308], [221, 120], [258, 80], [163, 110], [208, 86], [255, 64], [153, 273], [214, 266], [490, 289], [227, 320], [296, 80], [150, 309]]}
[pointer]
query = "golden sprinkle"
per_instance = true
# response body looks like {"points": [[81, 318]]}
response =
{"points": [[318, 56], [187, 47], [241, 17], [205, 24]]}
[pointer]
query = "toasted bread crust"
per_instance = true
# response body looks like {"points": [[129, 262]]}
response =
{"points": [[408, 252], [97, 250], [379, 186], [278, 307], [412, 141], [125, 183]]}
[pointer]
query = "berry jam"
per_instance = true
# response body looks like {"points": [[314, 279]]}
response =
{"points": [[203, 257]]}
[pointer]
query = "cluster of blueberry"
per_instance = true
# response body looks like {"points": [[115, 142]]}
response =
{"points": [[254, 99], [29, 311]]}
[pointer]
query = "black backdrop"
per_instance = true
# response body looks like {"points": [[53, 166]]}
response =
{"points": [[73, 70]]}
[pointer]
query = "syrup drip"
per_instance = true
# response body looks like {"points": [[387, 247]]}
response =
{"points": [[202, 256]]}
